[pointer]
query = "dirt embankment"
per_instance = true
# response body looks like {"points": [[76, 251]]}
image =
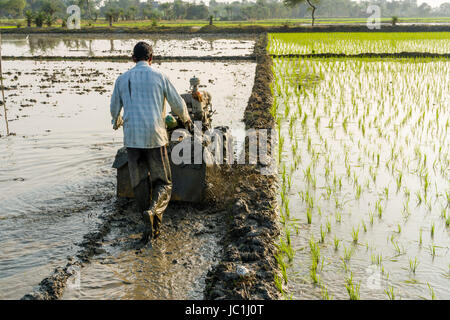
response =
{"points": [[249, 29], [248, 265]]}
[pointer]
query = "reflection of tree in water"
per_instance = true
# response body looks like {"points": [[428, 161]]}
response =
{"points": [[37, 44], [42, 44], [75, 44], [111, 42], [91, 51]]}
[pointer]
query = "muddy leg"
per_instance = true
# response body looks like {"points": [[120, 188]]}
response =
{"points": [[139, 177], [161, 181]]}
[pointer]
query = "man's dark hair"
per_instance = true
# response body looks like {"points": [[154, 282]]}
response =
{"points": [[142, 51]]}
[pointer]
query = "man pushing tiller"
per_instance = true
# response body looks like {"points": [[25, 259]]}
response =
{"points": [[142, 92]]}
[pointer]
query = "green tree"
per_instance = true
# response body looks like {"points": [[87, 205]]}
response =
{"points": [[197, 12], [179, 9], [49, 19], [29, 17], [39, 19], [12, 8], [166, 10], [293, 3]]}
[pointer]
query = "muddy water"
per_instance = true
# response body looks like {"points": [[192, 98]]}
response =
{"points": [[173, 267], [56, 180], [103, 45]]}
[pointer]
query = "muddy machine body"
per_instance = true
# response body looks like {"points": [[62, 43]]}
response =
{"points": [[189, 180]]}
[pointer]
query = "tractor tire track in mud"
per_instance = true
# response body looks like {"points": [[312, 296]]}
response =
{"points": [[189, 234]]}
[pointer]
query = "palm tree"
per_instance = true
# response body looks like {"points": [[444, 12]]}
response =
{"points": [[29, 17], [293, 3]]}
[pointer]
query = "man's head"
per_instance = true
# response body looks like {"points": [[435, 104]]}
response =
{"points": [[142, 52]]}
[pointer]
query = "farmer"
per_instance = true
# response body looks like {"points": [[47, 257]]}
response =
{"points": [[142, 92]]}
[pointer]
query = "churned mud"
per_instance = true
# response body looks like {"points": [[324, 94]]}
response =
{"points": [[62, 213], [113, 264], [248, 266]]}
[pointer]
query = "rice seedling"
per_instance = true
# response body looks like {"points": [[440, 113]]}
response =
{"points": [[431, 290], [413, 264], [322, 234], [371, 216], [336, 243], [283, 267], [432, 230], [377, 259], [355, 234], [315, 251], [390, 292], [432, 248], [398, 247], [399, 181], [325, 295], [308, 215], [348, 252], [386, 193], [358, 192], [279, 283], [379, 209], [352, 288], [338, 216]]}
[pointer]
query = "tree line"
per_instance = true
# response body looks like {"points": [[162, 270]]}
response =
{"points": [[41, 12]]}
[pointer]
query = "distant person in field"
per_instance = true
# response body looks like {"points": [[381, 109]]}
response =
{"points": [[142, 92]]}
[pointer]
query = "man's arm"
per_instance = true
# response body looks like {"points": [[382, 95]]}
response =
{"points": [[116, 106], [175, 101]]}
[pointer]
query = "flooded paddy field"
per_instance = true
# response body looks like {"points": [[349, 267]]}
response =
{"points": [[364, 165], [57, 184], [82, 45]]}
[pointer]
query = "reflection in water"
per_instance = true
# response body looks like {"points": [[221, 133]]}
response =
{"points": [[82, 45]]}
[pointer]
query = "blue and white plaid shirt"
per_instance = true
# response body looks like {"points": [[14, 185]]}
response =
{"points": [[142, 92]]}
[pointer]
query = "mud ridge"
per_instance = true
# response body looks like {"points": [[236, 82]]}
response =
{"points": [[248, 265], [124, 58], [366, 55]]}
